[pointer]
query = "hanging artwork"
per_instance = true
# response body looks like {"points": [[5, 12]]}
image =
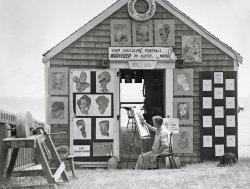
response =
{"points": [[104, 81], [102, 149], [121, 32], [207, 102], [183, 82], [191, 48], [57, 110], [207, 141], [231, 141], [206, 85], [183, 109], [219, 130], [103, 105], [82, 128], [207, 121], [84, 105], [230, 102], [183, 142], [81, 150], [230, 121], [218, 93], [80, 81], [219, 112], [164, 32], [142, 33], [230, 85], [219, 150], [58, 81], [104, 128], [218, 77]]}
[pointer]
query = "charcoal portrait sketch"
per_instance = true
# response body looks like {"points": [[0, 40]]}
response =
{"points": [[84, 105], [57, 110], [104, 128], [183, 82], [58, 81], [183, 110], [143, 33], [183, 142], [191, 48], [82, 128], [81, 81], [120, 32], [164, 32]]}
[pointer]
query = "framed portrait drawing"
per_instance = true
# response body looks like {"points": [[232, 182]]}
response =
{"points": [[231, 141], [82, 128], [207, 121], [219, 150], [191, 48], [183, 110], [183, 82], [105, 81], [219, 130], [207, 141], [81, 150], [57, 111], [164, 32], [103, 104], [142, 33], [183, 142], [218, 77], [207, 85], [58, 81], [104, 128], [80, 81], [121, 32], [84, 104], [230, 85], [102, 149]]}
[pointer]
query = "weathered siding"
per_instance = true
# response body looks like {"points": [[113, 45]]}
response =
{"points": [[89, 49]]}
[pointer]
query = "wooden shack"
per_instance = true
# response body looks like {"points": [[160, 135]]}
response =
{"points": [[187, 72]]}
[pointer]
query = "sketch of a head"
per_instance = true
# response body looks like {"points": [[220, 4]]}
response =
{"points": [[81, 83], [57, 110], [183, 140], [58, 81], [84, 103], [182, 112], [103, 103], [142, 33], [81, 125], [182, 81], [104, 127], [104, 78], [164, 31], [120, 32]]}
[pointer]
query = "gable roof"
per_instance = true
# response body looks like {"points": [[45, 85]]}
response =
{"points": [[120, 3]]}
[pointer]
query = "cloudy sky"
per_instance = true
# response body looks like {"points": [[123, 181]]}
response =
{"points": [[28, 28]]}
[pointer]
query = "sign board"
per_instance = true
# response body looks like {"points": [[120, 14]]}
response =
{"points": [[142, 64], [172, 124], [142, 53]]}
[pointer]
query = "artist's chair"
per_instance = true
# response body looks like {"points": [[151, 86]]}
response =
{"points": [[162, 157]]}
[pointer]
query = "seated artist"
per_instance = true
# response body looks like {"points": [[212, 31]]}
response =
{"points": [[161, 144]]}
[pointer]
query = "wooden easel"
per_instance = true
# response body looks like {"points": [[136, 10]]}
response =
{"points": [[44, 150]]}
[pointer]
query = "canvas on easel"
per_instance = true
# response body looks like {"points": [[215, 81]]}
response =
{"points": [[142, 129]]}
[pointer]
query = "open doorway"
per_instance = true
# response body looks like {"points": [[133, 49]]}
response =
{"points": [[143, 89]]}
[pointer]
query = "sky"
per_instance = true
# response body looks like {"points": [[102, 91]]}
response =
{"points": [[28, 28]]}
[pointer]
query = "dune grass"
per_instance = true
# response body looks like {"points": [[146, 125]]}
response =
{"points": [[202, 175]]}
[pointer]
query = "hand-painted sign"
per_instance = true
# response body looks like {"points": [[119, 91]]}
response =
{"points": [[142, 53], [144, 16], [143, 65], [172, 124]]}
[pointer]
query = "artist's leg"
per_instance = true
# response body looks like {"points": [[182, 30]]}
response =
{"points": [[146, 161]]}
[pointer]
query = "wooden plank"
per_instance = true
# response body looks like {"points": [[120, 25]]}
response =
{"points": [[12, 162], [19, 142], [59, 172]]}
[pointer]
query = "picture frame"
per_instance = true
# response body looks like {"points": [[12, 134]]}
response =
{"points": [[207, 121], [58, 81], [218, 77], [105, 81], [191, 48], [183, 110], [57, 110], [82, 128], [207, 102], [218, 93], [219, 130], [231, 141], [230, 102], [183, 142], [230, 121], [164, 32], [80, 81], [230, 84], [219, 112], [104, 128], [121, 32], [142, 33], [183, 82], [81, 150], [102, 149], [207, 85], [207, 141], [219, 150], [93, 105]]}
